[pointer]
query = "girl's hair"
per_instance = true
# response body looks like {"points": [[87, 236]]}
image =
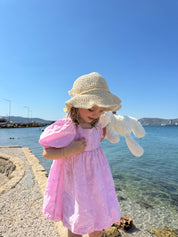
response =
{"points": [[75, 116]]}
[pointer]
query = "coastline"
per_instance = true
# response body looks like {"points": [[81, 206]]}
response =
{"points": [[25, 195], [21, 125]]}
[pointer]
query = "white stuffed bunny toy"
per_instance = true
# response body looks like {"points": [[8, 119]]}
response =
{"points": [[123, 125]]}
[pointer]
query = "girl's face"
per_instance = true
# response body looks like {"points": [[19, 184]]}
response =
{"points": [[88, 115]]}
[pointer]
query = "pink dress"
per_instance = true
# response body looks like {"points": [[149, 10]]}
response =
{"points": [[80, 190]]}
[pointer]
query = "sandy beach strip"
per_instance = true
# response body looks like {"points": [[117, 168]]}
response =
{"points": [[21, 199]]}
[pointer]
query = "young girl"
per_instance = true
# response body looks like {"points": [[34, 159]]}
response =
{"points": [[80, 190]]}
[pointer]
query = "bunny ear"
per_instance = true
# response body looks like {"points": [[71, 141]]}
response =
{"points": [[137, 128], [134, 147]]}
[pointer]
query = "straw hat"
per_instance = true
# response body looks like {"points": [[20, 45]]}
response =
{"points": [[92, 89]]}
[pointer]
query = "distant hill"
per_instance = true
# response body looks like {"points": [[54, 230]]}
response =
{"points": [[18, 119], [158, 122], [143, 121]]}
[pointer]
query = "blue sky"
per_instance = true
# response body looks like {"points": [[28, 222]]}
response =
{"points": [[46, 45]]}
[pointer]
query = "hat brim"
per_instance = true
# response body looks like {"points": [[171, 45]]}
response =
{"points": [[107, 100]]}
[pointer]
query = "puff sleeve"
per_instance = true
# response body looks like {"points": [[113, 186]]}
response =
{"points": [[59, 134]]}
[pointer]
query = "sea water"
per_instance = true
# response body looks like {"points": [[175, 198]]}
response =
{"points": [[147, 186]]}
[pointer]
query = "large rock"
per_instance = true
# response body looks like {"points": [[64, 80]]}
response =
{"points": [[164, 232], [12, 170], [111, 232], [6, 166], [125, 224]]}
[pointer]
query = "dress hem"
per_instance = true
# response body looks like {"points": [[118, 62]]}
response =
{"points": [[106, 226]]}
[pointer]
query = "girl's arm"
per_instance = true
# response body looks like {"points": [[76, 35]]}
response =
{"points": [[76, 146], [104, 133]]}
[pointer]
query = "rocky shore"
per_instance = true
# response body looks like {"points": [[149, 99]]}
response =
{"points": [[21, 125], [22, 184]]}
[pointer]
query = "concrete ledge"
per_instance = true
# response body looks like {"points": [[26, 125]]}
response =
{"points": [[38, 170], [16, 175], [14, 146]]}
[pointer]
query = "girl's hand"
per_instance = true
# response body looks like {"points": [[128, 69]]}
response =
{"points": [[77, 146]]}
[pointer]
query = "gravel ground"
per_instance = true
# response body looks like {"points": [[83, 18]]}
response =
{"points": [[20, 208]]}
